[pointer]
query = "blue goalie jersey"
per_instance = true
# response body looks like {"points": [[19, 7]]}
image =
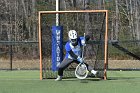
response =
{"points": [[76, 49]]}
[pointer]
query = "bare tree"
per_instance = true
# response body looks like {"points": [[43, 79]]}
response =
{"points": [[117, 21], [137, 21]]}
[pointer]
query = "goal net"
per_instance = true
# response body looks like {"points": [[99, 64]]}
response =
{"points": [[91, 22]]}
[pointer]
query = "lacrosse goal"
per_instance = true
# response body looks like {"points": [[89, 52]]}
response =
{"points": [[91, 22]]}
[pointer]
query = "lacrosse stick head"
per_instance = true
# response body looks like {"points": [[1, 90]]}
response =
{"points": [[81, 71]]}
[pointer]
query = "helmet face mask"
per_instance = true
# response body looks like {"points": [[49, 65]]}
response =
{"points": [[73, 37], [73, 42]]}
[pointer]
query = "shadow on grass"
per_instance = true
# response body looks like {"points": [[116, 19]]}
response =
{"points": [[82, 80], [121, 78]]}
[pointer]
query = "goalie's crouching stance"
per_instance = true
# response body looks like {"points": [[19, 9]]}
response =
{"points": [[73, 53]]}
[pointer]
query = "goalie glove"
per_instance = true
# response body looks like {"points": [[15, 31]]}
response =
{"points": [[83, 42], [80, 59]]}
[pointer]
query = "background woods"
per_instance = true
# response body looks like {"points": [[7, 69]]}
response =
{"points": [[18, 20]]}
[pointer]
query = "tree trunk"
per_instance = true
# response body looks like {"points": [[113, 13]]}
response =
{"points": [[117, 21], [137, 21]]}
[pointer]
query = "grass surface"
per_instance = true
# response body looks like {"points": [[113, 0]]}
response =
{"points": [[28, 82]]}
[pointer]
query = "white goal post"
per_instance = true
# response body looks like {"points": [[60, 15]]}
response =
{"points": [[76, 11]]}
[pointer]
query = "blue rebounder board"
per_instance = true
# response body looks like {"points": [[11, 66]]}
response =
{"points": [[57, 46]]}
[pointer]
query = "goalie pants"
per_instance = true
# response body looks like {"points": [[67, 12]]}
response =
{"points": [[66, 62]]}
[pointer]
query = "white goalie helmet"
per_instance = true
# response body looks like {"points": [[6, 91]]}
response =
{"points": [[73, 37]]}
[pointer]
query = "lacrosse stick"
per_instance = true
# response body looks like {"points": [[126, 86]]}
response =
{"points": [[81, 70]]}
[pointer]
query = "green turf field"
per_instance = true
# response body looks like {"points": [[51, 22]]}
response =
{"points": [[28, 82]]}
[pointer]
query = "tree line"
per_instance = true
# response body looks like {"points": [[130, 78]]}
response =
{"points": [[19, 18]]}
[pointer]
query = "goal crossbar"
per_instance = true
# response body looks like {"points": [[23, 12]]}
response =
{"points": [[75, 11]]}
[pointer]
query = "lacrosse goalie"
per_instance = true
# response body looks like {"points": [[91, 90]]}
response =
{"points": [[74, 54]]}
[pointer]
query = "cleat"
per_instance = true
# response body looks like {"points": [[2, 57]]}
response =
{"points": [[59, 78], [95, 73]]}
